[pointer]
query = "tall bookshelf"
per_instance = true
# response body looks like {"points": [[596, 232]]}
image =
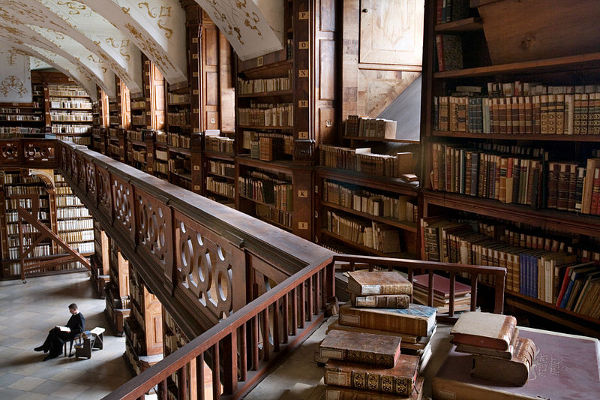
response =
{"points": [[117, 291], [100, 261], [24, 119], [532, 108], [70, 113]]}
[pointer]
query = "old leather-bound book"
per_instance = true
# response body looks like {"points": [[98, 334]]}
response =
{"points": [[342, 393], [417, 320], [382, 301], [377, 350], [365, 283], [408, 341], [494, 331], [515, 371], [484, 351], [399, 380]]}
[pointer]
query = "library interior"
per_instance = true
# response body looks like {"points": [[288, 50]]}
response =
{"points": [[251, 199]]}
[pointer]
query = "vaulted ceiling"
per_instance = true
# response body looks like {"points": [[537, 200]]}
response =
{"points": [[94, 41]]}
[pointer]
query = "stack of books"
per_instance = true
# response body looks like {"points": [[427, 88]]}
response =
{"points": [[494, 342], [441, 293], [381, 306]]}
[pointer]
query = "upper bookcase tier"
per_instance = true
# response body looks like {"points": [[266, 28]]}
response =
{"points": [[277, 69]]}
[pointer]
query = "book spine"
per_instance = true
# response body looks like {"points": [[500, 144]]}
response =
{"points": [[364, 380], [382, 301], [385, 322]]}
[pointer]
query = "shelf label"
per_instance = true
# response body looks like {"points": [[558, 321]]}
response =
{"points": [[303, 193], [196, 111], [303, 103], [195, 92], [303, 225], [303, 135], [194, 40], [260, 61], [303, 45], [195, 74], [302, 73], [196, 168], [197, 187], [303, 15]]}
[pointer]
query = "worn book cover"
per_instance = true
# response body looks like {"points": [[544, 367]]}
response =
{"points": [[341, 393], [382, 301], [408, 341], [506, 354], [481, 329], [359, 347], [441, 285], [417, 320], [364, 283], [515, 371], [399, 380], [565, 367]]}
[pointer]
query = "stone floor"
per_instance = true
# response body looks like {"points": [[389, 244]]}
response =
{"points": [[27, 312]]}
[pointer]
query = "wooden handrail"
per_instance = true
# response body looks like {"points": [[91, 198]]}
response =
{"points": [[474, 271]]}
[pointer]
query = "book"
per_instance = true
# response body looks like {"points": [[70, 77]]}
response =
{"points": [[399, 380], [515, 371], [484, 351], [407, 341], [63, 328], [342, 393], [364, 283], [381, 301], [566, 367], [417, 320], [358, 347], [481, 329], [441, 286]]}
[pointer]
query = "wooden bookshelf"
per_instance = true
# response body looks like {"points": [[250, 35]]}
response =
{"points": [[117, 290], [71, 113], [491, 55]]}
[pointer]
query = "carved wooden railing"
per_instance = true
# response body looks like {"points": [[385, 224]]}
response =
{"points": [[35, 153], [474, 273]]}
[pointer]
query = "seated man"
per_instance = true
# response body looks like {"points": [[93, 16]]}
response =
{"points": [[61, 334]]}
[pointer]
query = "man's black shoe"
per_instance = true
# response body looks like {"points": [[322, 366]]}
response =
{"points": [[50, 356], [39, 348]]}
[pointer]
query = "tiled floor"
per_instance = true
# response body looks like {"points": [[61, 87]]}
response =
{"points": [[27, 312]]}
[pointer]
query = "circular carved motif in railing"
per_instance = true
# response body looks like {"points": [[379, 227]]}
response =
{"points": [[152, 228], [90, 173], [205, 271], [122, 204], [9, 151], [103, 189], [35, 152], [63, 158]]}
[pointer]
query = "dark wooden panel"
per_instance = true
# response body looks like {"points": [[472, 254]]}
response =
{"points": [[211, 43], [327, 15], [212, 120], [327, 125], [327, 70], [212, 88]]}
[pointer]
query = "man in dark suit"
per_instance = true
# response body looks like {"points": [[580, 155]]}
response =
{"points": [[59, 335]]}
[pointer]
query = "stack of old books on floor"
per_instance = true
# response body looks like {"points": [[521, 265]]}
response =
{"points": [[367, 348]]}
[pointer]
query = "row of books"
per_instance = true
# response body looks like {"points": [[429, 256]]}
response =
{"points": [[451, 10], [161, 137], [13, 216], [365, 161], [449, 54], [82, 140], [64, 201], [570, 114], [21, 190], [543, 272], [219, 144], [12, 204], [135, 135], [374, 235], [15, 110], [68, 117], [20, 117], [75, 224], [266, 189], [18, 130], [221, 168], [78, 236], [268, 147], [13, 229], [83, 248], [114, 150], [278, 216], [180, 118], [38, 251], [74, 104], [74, 129], [161, 167], [252, 86], [178, 140], [138, 105], [500, 174], [181, 165], [65, 91], [139, 120], [115, 120], [13, 241], [225, 189], [72, 212], [394, 207], [274, 115], [177, 99], [17, 178], [138, 155], [376, 128], [162, 155]]}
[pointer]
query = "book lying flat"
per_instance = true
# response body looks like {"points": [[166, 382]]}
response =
{"points": [[399, 380], [341, 393], [408, 341], [484, 351], [494, 331], [63, 328], [365, 283], [441, 286], [515, 371], [565, 367], [417, 320], [361, 347], [381, 301]]}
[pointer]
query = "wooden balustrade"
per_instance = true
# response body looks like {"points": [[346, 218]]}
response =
{"points": [[35, 153]]}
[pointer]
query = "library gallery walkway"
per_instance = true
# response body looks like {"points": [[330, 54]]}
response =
{"points": [[27, 312]]}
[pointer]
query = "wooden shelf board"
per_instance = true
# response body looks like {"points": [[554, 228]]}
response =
{"points": [[219, 194], [264, 128], [374, 139], [137, 143], [279, 166], [396, 185], [363, 248], [180, 150], [561, 221], [462, 25], [577, 62], [231, 178], [218, 156], [495, 136], [405, 225], [267, 94], [264, 204], [187, 177], [277, 69]]}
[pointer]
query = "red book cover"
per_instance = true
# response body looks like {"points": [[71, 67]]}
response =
{"points": [[565, 367], [441, 285], [564, 285], [440, 52], [595, 207]]}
